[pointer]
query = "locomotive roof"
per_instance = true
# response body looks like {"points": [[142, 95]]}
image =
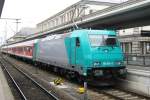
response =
{"points": [[75, 32]]}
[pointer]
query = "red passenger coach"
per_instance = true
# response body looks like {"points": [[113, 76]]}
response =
{"points": [[22, 49]]}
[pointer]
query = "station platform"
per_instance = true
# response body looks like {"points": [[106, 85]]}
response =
{"points": [[142, 68], [139, 70], [5, 92], [137, 80]]}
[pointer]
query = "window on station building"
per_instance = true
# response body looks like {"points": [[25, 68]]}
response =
{"points": [[145, 47], [127, 47], [57, 22], [75, 13], [53, 23], [64, 18], [78, 12], [71, 14], [67, 17], [61, 19], [142, 48], [50, 24], [148, 47]]}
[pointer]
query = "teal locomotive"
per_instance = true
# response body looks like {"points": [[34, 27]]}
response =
{"points": [[82, 54]]}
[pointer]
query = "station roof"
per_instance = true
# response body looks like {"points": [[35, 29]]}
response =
{"points": [[82, 2], [132, 13], [1, 6]]}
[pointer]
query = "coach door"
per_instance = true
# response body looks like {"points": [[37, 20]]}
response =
{"points": [[75, 52], [35, 51]]}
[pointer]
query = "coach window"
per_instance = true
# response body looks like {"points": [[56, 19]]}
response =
{"points": [[77, 42], [29, 49]]}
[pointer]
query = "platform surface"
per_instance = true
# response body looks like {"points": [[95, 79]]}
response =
{"points": [[143, 68], [5, 92]]}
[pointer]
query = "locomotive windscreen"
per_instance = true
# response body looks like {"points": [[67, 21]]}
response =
{"points": [[101, 40], [96, 40], [111, 41]]}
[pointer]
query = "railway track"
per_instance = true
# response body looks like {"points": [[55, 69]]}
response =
{"points": [[112, 93], [123, 95], [27, 87]]}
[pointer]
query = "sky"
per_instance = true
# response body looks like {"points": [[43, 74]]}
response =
{"points": [[30, 12]]}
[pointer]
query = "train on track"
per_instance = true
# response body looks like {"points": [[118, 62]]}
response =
{"points": [[82, 54]]}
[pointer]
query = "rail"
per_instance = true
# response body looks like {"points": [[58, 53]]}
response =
{"points": [[120, 93], [14, 82], [124, 95], [3, 64]]}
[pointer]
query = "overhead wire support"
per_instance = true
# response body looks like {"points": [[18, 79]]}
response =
{"points": [[78, 15], [17, 21], [75, 7]]}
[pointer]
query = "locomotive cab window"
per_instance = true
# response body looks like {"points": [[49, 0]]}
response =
{"points": [[110, 41], [102, 40], [77, 42]]}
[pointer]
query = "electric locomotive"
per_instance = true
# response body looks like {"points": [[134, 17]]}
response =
{"points": [[82, 54]]}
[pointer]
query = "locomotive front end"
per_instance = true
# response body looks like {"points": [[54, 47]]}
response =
{"points": [[96, 54], [107, 59]]}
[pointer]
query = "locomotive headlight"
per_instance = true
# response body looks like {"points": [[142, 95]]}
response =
{"points": [[119, 63]]}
